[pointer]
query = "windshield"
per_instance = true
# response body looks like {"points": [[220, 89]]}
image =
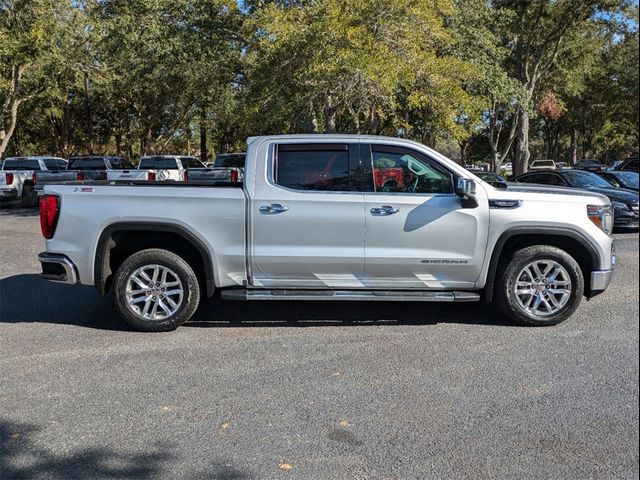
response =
{"points": [[589, 163], [630, 179], [585, 180]]}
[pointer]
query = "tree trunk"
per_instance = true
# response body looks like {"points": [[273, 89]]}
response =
{"points": [[87, 106], [573, 149], [522, 153], [330, 113], [203, 134]]}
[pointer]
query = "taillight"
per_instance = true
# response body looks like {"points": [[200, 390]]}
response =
{"points": [[79, 176], [49, 211], [33, 178], [186, 175], [233, 176], [151, 176], [8, 178]]}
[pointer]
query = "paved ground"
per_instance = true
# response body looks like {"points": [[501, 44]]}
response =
{"points": [[311, 390]]}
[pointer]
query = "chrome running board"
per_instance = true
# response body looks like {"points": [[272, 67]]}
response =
{"points": [[352, 295]]}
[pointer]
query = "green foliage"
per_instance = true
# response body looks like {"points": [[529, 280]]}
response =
{"points": [[139, 76]]}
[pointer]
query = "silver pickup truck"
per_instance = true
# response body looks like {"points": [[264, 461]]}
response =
{"points": [[21, 175], [331, 217]]}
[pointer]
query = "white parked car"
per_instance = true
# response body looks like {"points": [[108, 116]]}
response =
{"points": [[542, 165]]}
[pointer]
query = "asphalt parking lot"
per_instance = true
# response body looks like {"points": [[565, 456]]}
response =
{"points": [[311, 390]]}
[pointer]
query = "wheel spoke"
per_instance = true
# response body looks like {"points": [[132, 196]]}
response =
{"points": [[156, 271], [134, 278], [164, 307]]}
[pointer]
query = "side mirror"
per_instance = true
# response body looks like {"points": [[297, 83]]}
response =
{"points": [[465, 187]]}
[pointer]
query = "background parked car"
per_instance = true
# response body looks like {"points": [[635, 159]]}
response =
{"points": [[629, 165], [590, 165], [542, 165], [628, 180], [20, 175], [492, 179], [227, 167], [624, 202]]}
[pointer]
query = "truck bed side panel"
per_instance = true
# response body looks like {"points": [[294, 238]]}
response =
{"points": [[213, 215]]}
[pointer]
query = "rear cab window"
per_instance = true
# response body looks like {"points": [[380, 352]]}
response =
{"points": [[87, 163], [158, 163], [55, 164], [21, 164]]}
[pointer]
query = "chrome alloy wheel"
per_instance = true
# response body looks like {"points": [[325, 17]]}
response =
{"points": [[543, 288], [154, 292]]}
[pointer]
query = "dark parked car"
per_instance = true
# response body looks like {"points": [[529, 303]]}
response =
{"points": [[624, 202], [492, 178], [628, 180], [629, 165], [590, 166]]}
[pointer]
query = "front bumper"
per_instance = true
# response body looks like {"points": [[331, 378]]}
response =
{"points": [[600, 280], [58, 268]]}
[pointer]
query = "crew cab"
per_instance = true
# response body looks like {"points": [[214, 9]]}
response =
{"points": [[311, 222], [20, 175]]}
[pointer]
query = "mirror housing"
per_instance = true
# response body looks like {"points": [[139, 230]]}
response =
{"points": [[466, 189]]}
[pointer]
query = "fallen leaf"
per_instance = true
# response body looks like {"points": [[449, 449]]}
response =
{"points": [[165, 408], [336, 374], [285, 466], [344, 423], [15, 435], [224, 425]]}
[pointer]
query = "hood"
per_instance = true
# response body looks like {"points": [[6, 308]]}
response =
{"points": [[618, 194], [552, 190]]}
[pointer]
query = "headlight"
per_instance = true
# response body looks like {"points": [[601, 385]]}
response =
{"points": [[619, 206], [602, 216]]}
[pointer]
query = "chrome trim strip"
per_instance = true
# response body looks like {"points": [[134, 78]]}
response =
{"points": [[70, 276]]}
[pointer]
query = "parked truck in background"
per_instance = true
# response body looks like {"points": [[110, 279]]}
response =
{"points": [[159, 168], [20, 175], [309, 222]]}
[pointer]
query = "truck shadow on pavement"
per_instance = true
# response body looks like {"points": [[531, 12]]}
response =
{"points": [[22, 456], [29, 299]]}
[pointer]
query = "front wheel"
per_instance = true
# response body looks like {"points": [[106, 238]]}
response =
{"points": [[541, 285], [156, 290]]}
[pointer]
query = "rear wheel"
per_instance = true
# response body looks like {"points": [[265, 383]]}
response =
{"points": [[541, 285], [29, 196], [156, 290]]}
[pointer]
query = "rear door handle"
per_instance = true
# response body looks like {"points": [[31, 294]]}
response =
{"points": [[273, 209], [383, 211]]}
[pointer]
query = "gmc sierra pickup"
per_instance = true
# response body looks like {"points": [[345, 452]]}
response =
{"points": [[312, 221], [20, 176]]}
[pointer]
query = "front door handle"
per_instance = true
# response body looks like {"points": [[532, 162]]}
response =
{"points": [[273, 209], [383, 211]]}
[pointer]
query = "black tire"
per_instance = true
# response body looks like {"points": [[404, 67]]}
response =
{"points": [[179, 267], [29, 196], [508, 276]]}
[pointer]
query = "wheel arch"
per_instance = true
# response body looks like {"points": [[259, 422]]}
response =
{"points": [[573, 242], [110, 250]]}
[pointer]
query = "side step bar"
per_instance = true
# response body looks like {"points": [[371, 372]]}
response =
{"points": [[355, 295]]}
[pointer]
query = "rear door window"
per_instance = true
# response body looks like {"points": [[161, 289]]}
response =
{"points": [[313, 167]]}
